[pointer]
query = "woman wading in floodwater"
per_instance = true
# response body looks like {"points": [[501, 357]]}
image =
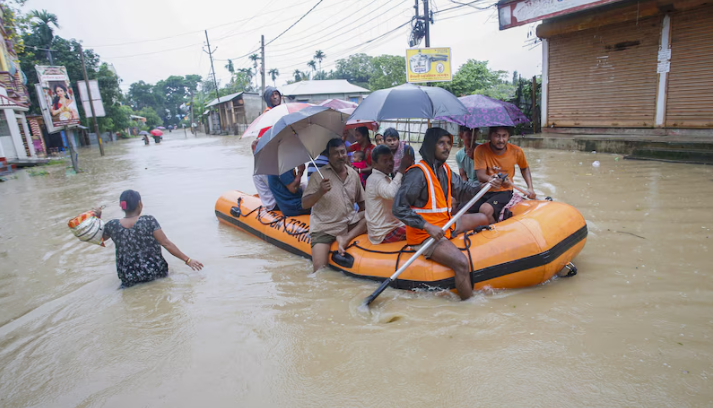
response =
{"points": [[138, 239]]}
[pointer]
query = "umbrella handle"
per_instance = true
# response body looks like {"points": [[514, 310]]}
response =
{"points": [[316, 167]]}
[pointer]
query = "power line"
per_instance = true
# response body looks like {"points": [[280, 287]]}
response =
{"points": [[350, 49], [315, 30], [346, 32], [295, 23], [154, 52], [188, 32], [288, 29]]}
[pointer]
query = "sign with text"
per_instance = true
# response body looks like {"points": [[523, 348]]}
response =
{"points": [[521, 12], [96, 98], [428, 65], [58, 95]]}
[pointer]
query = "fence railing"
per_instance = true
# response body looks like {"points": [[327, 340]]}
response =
{"points": [[413, 130]]}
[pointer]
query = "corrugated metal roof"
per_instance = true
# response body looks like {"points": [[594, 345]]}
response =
{"points": [[328, 86], [225, 98]]}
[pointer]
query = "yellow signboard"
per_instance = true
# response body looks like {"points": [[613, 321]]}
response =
{"points": [[428, 65]]}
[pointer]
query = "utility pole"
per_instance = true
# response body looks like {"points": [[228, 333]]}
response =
{"points": [[427, 20], [210, 54], [91, 102], [262, 69]]}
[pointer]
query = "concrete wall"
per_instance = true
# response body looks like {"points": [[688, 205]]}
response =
{"points": [[253, 106]]}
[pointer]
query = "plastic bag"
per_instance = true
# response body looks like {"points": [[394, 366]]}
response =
{"points": [[88, 228]]}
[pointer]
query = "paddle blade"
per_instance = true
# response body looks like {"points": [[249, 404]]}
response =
{"points": [[377, 292]]}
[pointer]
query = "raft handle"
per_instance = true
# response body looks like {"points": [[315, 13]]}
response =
{"points": [[572, 270], [345, 261], [235, 212]]}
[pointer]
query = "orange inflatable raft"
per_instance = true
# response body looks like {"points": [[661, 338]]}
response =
{"points": [[540, 240]]}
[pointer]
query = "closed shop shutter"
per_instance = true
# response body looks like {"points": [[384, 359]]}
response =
{"points": [[604, 77], [689, 102]]}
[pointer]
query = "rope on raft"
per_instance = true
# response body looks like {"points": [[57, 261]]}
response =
{"points": [[404, 250], [237, 211]]}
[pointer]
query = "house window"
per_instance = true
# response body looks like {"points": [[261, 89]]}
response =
{"points": [[354, 99]]}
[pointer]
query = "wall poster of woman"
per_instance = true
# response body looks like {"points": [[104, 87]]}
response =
{"points": [[59, 95]]}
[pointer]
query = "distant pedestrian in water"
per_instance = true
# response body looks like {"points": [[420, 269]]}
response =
{"points": [[138, 240]]}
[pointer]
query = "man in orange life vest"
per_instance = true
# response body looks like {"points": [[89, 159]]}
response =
{"points": [[424, 204]]}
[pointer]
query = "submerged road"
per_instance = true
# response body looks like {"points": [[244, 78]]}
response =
{"points": [[257, 328]]}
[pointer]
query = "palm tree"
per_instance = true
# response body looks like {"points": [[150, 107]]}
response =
{"points": [[254, 58], [44, 29], [319, 56], [231, 68], [298, 75], [312, 65], [274, 73]]}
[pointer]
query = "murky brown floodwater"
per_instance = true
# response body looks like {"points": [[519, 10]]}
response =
{"points": [[256, 328]]}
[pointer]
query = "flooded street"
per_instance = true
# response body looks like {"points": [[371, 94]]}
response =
{"points": [[257, 328]]}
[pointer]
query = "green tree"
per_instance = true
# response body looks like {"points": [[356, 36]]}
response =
{"points": [[356, 69], [245, 77], [274, 73], [319, 55], [299, 75], [387, 71], [312, 65], [503, 91], [473, 76], [109, 87], [122, 118], [229, 66], [152, 118], [42, 22], [141, 95], [15, 24]]}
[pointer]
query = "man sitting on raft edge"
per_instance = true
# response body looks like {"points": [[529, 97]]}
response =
{"points": [[423, 203], [332, 202]]}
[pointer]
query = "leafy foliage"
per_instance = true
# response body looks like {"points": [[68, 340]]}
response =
{"points": [[387, 71]]}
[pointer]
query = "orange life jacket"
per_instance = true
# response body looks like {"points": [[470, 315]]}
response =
{"points": [[437, 210]]}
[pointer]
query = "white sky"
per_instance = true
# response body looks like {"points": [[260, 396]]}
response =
{"points": [[132, 34]]}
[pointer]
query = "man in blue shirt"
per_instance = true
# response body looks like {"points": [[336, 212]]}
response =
{"points": [[287, 192]]}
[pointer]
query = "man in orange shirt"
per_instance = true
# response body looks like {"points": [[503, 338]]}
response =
{"points": [[499, 156]]}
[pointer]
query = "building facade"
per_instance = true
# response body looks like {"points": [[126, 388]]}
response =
{"points": [[231, 113], [622, 68], [318, 91], [16, 138]]}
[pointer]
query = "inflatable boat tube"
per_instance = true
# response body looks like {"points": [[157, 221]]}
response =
{"points": [[528, 249]]}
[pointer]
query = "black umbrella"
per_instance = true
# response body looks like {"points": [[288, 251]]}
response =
{"points": [[409, 101]]}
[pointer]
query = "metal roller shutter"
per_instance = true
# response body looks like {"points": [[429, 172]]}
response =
{"points": [[689, 102], [604, 77]]}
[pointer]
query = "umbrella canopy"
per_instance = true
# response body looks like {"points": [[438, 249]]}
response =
{"points": [[156, 132], [297, 138], [269, 118], [338, 104], [161, 127], [351, 124], [408, 101], [485, 111], [143, 133]]}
